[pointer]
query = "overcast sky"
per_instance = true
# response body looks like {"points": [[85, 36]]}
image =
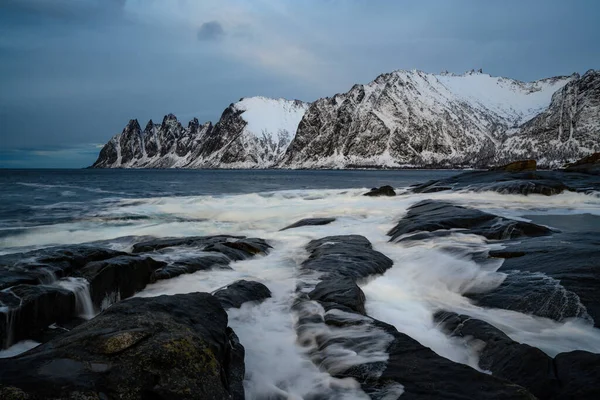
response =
{"points": [[73, 72]]}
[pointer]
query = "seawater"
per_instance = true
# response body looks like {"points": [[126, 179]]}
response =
{"points": [[115, 207]]}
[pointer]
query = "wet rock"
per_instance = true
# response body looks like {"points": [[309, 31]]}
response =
{"points": [[338, 336], [120, 277], [524, 182], [381, 191], [176, 347], [341, 291], [190, 265], [345, 256], [572, 375], [240, 292], [26, 310], [46, 265], [197, 241], [432, 216], [556, 277], [310, 222], [534, 293], [579, 374], [235, 247], [518, 363], [586, 165], [517, 166]]}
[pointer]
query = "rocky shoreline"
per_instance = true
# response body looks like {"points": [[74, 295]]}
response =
{"points": [[97, 342]]}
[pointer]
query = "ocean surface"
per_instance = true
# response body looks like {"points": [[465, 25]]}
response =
{"points": [[41, 208]]}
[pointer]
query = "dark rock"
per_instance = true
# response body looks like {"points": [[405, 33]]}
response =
{"points": [[586, 165], [26, 310], [310, 222], [240, 292], [345, 256], [46, 265], [517, 166], [572, 375], [526, 182], [579, 374], [341, 291], [175, 347], [533, 293], [555, 277], [431, 216], [196, 241], [190, 265], [518, 363], [234, 247], [346, 330], [381, 191], [119, 277]]}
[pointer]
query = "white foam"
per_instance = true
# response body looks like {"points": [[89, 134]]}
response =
{"points": [[424, 278]]}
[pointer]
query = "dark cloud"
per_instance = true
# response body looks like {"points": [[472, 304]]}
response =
{"points": [[212, 30]]}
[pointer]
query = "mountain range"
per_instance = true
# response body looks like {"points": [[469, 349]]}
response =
{"points": [[402, 119]]}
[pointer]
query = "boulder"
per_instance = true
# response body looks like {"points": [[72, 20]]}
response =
{"points": [[432, 216], [120, 277], [381, 191], [240, 292], [191, 265], [340, 338], [26, 310], [47, 265], [345, 256], [517, 166], [555, 277], [166, 347], [586, 165], [572, 375], [518, 363], [309, 222], [546, 183]]}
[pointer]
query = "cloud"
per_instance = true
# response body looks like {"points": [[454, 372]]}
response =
{"points": [[212, 30]]}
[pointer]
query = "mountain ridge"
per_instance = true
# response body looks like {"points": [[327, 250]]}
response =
{"points": [[401, 119]]}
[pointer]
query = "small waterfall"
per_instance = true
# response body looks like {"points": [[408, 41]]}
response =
{"points": [[83, 300], [10, 310]]}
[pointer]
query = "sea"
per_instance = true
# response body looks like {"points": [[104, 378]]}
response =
{"points": [[43, 208]]}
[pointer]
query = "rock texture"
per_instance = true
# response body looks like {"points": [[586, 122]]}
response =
{"points": [[339, 337], [568, 375], [252, 133], [166, 347], [401, 119], [58, 285], [439, 216]]}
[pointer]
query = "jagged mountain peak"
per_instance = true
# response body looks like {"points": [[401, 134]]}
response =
{"points": [[401, 118]]}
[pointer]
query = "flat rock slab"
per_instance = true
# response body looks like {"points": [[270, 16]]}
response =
{"points": [[345, 256], [349, 344], [432, 215], [556, 277], [568, 376], [240, 292], [525, 182], [381, 191], [309, 222], [176, 347], [46, 265]]}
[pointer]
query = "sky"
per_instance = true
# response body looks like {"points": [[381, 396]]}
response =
{"points": [[73, 72]]}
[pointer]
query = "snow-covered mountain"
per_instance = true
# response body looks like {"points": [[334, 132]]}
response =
{"points": [[411, 118], [401, 119], [252, 133]]}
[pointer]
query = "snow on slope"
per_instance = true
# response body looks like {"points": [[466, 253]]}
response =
{"points": [[401, 119], [270, 117], [252, 133], [412, 118]]}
